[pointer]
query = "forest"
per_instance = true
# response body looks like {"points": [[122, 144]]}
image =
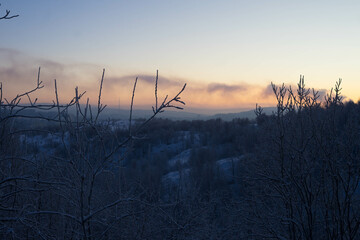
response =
{"points": [[68, 174]]}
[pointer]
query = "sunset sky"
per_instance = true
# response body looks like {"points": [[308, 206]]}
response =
{"points": [[227, 52]]}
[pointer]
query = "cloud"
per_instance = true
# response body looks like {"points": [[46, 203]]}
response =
{"points": [[9, 51], [58, 67], [147, 78], [18, 67], [18, 73], [9, 73], [321, 93], [226, 88], [267, 91]]}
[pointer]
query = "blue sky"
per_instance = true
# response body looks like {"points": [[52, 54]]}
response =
{"points": [[239, 45]]}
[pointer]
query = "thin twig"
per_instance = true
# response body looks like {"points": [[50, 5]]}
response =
{"points": [[156, 84], [100, 107], [131, 106]]}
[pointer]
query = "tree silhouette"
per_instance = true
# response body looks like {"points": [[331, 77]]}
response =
{"points": [[7, 15]]}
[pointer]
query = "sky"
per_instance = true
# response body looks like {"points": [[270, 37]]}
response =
{"points": [[228, 52]]}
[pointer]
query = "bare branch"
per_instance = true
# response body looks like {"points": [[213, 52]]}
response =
{"points": [[131, 105], [100, 106], [156, 84], [7, 15]]}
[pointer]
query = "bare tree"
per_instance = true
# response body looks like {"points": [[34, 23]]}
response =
{"points": [[307, 176], [74, 192]]}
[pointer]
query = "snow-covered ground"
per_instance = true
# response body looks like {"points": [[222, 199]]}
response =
{"points": [[180, 159], [44, 141], [227, 167], [175, 177], [118, 124]]}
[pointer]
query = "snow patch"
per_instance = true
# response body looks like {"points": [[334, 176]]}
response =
{"points": [[180, 159]]}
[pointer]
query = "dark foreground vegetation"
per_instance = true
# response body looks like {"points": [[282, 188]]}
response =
{"points": [[291, 175]]}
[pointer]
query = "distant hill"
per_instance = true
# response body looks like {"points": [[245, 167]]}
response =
{"points": [[115, 113], [245, 114], [138, 113], [182, 115]]}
